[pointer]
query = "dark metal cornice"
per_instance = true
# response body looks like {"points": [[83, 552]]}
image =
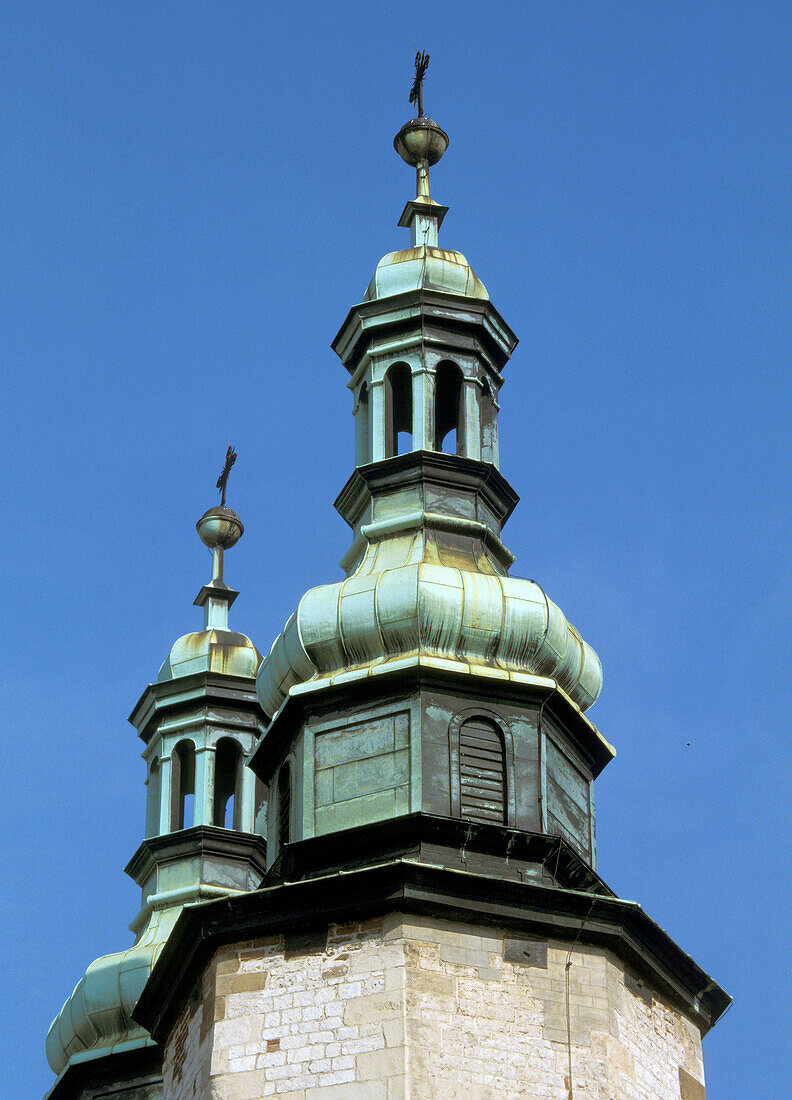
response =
{"points": [[220, 688], [448, 841], [444, 311], [200, 840], [414, 888], [417, 467]]}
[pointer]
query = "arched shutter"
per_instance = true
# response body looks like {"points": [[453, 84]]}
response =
{"points": [[482, 772]]}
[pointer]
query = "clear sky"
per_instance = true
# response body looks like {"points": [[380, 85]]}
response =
{"points": [[192, 195]]}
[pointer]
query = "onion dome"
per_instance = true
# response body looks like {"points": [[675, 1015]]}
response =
{"points": [[211, 651], [464, 618]]}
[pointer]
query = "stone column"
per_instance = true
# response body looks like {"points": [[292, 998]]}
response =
{"points": [[247, 798], [362, 432], [204, 785], [471, 419], [166, 795], [153, 800], [489, 425], [423, 394], [377, 420], [493, 433]]}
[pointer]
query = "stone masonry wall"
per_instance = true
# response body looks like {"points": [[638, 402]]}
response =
{"points": [[410, 1008], [185, 1066]]}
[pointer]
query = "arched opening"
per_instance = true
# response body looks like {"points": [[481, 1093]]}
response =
{"points": [[482, 771], [183, 786], [398, 410], [153, 798], [489, 424], [362, 455], [448, 394], [228, 777], [284, 805]]}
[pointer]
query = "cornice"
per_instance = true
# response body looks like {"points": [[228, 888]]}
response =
{"points": [[422, 836], [412, 674], [413, 888], [190, 691], [140, 1061], [452, 311], [415, 467], [202, 840]]}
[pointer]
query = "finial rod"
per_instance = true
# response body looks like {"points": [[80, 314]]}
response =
{"points": [[220, 528], [217, 565]]}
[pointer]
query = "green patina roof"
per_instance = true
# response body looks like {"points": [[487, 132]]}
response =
{"points": [[425, 266], [211, 651]]}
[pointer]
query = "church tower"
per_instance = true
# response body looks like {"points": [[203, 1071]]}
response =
{"points": [[404, 904], [199, 724]]}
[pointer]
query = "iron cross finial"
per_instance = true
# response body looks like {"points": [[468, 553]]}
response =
{"points": [[222, 481], [416, 92]]}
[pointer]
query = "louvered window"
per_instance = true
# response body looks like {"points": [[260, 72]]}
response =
{"points": [[482, 772], [284, 805]]}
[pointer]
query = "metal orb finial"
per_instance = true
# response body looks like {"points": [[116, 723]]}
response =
{"points": [[220, 528], [420, 142]]}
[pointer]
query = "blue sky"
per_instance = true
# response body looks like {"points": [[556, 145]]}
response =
{"points": [[191, 197]]}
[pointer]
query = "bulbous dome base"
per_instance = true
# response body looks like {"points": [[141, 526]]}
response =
{"points": [[403, 600], [97, 1017]]}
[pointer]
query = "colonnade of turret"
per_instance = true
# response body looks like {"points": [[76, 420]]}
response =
{"points": [[425, 402], [200, 780]]}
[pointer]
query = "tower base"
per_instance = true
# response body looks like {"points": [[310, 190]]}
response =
{"points": [[409, 1006], [409, 981]]}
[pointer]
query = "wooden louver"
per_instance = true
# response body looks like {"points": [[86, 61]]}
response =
{"points": [[482, 772]]}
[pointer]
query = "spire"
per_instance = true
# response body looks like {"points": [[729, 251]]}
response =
{"points": [[220, 528], [425, 347], [427, 573], [421, 143], [215, 648]]}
